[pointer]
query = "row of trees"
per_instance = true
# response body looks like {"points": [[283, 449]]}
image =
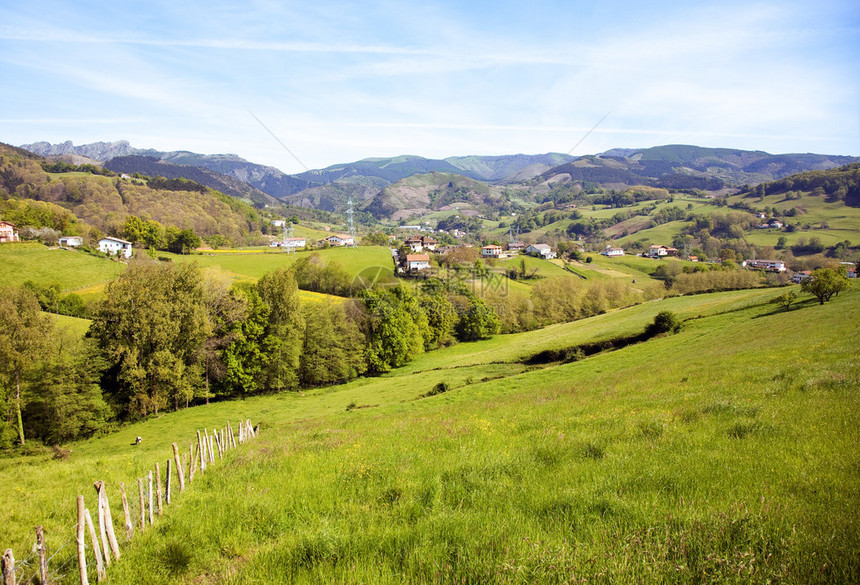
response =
{"points": [[167, 335]]}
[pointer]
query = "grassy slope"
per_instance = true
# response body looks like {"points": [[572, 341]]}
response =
{"points": [[72, 270], [727, 452], [255, 265]]}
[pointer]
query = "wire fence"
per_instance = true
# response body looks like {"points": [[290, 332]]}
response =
{"points": [[135, 506]]}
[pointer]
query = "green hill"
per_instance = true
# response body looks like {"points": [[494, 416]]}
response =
{"points": [[104, 202], [724, 453]]}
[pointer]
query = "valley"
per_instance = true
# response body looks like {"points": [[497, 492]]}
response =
{"points": [[488, 417]]}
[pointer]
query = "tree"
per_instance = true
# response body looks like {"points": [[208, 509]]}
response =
{"points": [[244, 357], [333, 350], [67, 401], [224, 309], [282, 342], [441, 318], [825, 283], [182, 241], [785, 300], [478, 322], [393, 335], [24, 335], [150, 326]]}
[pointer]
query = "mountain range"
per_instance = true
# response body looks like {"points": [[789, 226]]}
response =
{"points": [[374, 183]]}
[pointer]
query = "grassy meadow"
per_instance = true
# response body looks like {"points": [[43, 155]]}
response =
{"points": [[72, 270], [725, 453], [255, 264]]}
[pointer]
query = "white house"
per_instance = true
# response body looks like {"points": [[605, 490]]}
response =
{"points": [[420, 243], [766, 265], [340, 240], [417, 262], [610, 251], [8, 233], [71, 241], [661, 251], [290, 243], [491, 251], [115, 246], [540, 250]]}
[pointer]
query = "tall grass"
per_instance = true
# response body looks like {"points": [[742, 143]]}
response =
{"points": [[725, 453]]}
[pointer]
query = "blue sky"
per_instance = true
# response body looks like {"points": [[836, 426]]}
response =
{"points": [[340, 81]]}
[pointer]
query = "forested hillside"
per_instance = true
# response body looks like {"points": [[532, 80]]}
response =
{"points": [[105, 202], [152, 167]]}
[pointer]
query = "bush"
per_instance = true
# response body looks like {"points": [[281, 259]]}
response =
{"points": [[664, 322]]}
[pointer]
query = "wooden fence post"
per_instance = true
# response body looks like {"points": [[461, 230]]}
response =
{"points": [[82, 556], [104, 505], [180, 473], [218, 442], [150, 498], [202, 456], [8, 563], [43, 555], [167, 483], [102, 523], [142, 504], [97, 551], [129, 527], [158, 486], [211, 446], [192, 463]]}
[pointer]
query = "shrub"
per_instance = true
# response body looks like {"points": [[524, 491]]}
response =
{"points": [[664, 322]]}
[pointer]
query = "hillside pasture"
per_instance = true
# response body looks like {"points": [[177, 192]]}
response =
{"points": [[255, 265], [71, 269], [725, 453]]}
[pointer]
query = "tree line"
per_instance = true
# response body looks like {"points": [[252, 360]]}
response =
{"points": [[169, 335]]}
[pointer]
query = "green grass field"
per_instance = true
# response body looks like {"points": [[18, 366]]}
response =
{"points": [[72, 270], [727, 453], [256, 264]]}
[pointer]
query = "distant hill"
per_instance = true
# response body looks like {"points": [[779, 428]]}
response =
{"points": [[671, 167], [688, 167], [352, 179], [267, 179], [420, 194], [153, 167], [104, 202], [507, 168]]}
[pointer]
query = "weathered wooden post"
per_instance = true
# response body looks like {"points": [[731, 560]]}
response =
{"points": [[82, 550], [192, 463], [167, 484], [218, 441], [232, 436], [97, 551], [129, 526], [104, 511], [180, 472], [43, 555], [241, 433], [211, 440], [102, 525], [142, 504], [158, 487], [202, 453], [149, 495], [8, 563]]}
